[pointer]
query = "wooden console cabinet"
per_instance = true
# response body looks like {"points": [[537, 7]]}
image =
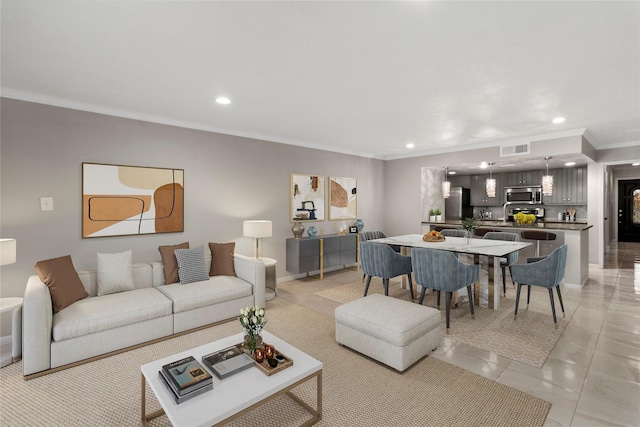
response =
{"points": [[306, 254]]}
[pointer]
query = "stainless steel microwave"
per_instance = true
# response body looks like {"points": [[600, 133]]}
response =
{"points": [[526, 194]]}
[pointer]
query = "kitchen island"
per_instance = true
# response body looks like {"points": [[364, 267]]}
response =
{"points": [[574, 234]]}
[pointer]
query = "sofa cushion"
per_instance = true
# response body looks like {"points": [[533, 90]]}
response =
{"points": [[222, 259], [215, 290], [62, 279], [191, 266], [115, 272], [98, 314], [170, 262]]}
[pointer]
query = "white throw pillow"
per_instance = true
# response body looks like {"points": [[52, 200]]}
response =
{"points": [[115, 273]]}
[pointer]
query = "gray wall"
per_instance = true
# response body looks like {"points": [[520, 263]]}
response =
{"points": [[227, 180]]}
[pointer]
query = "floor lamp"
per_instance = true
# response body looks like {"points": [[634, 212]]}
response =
{"points": [[257, 229]]}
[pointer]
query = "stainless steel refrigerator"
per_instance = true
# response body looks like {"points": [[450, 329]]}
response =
{"points": [[458, 205]]}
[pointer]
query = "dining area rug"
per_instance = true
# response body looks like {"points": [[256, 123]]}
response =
{"points": [[528, 339]]}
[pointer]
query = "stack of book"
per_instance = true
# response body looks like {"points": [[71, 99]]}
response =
{"points": [[186, 378]]}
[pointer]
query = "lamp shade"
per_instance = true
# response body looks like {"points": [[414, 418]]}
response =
{"points": [[257, 228], [7, 251]]}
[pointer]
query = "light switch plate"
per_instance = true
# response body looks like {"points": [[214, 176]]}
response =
{"points": [[46, 203]]}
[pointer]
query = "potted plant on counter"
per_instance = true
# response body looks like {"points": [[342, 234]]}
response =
{"points": [[438, 213], [432, 215]]}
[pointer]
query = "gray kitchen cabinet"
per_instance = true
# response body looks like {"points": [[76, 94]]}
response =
{"points": [[479, 191], [569, 187], [514, 179], [304, 255]]}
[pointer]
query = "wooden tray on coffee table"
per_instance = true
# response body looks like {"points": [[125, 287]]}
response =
{"points": [[268, 370]]}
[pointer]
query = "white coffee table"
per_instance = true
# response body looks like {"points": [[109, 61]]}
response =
{"points": [[234, 395]]}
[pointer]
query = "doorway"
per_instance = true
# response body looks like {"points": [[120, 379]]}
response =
{"points": [[629, 210]]}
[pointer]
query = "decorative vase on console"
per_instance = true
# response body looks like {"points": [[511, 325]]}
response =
{"points": [[359, 224], [312, 232], [298, 229]]}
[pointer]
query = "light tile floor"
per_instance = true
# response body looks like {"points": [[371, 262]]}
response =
{"points": [[592, 376]]}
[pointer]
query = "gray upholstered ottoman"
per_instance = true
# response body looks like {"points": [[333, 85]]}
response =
{"points": [[392, 331]]}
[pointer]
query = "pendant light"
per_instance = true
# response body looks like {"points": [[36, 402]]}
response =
{"points": [[547, 180], [446, 185], [491, 182]]}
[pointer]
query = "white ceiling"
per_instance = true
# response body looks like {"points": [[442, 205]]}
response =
{"points": [[352, 77]]}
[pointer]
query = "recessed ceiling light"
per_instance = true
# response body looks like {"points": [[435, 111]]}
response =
{"points": [[632, 164], [410, 145], [223, 100], [452, 172], [570, 164], [558, 120]]}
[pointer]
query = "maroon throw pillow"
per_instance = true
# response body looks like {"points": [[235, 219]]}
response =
{"points": [[63, 281], [170, 262], [222, 259]]}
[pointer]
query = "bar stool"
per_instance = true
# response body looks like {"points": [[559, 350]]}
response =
{"points": [[537, 235]]}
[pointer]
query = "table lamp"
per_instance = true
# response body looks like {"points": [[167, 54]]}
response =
{"points": [[257, 229], [7, 251]]}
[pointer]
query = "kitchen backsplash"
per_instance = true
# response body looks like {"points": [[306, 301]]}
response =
{"points": [[550, 212]]}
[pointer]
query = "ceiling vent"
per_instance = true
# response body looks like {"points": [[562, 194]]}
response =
{"points": [[514, 150]]}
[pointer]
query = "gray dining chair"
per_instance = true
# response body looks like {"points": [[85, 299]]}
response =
{"points": [[380, 260], [442, 271], [375, 234], [453, 232], [511, 259], [547, 273]]}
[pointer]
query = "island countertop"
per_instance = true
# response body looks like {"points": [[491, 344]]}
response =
{"points": [[548, 225]]}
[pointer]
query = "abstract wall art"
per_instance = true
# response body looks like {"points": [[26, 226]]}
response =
{"points": [[343, 198], [126, 200], [307, 197]]}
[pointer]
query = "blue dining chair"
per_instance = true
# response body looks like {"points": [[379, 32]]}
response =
{"points": [[547, 272], [375, 234], [442, 271], [453, 232], [511, 259], [380, 260]]}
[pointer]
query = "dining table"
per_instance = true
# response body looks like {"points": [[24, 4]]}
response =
{"points": [[494, 250]]}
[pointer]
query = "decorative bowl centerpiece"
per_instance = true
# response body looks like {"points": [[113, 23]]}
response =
{"points": [[433, 236], [524, 219]]}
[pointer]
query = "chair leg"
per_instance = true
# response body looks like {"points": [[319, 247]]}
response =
{"points": [[386, 286], [364, 276], [504, 281], [560, 299], [438, 297], [447, 303], [470, 293], [553, 308], [410, 286], [366, 287], [515, 314], [528, 295], [424, 289]]}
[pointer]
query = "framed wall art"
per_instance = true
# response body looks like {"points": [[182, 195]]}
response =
{"points": [[126, 200], [307, 197], [343, 198]]}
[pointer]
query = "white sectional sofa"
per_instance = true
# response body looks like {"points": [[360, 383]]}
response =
{"points": [[98, 325]]}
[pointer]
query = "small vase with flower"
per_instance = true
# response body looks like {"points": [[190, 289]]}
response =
{"points": [[252, 320]]}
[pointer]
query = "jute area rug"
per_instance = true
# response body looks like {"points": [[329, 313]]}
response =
{"points": [[357, 391], [529, 339]]}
